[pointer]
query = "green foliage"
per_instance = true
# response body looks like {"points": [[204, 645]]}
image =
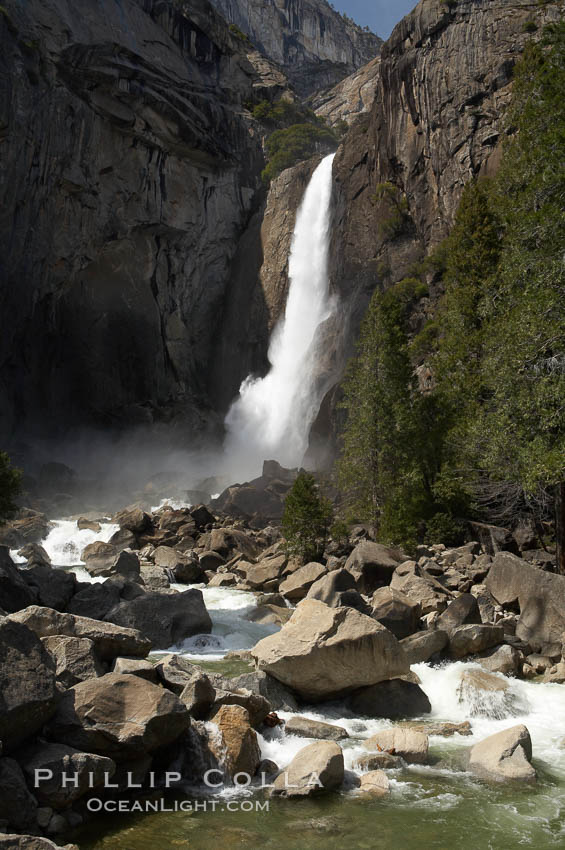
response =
{"points": [[397, 221], [340, 531], [529, 26], [242, 36], [294, 144], [443, 528], [10, 485], [306, 518]]}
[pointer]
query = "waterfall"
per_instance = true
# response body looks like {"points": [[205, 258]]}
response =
{"points": [[272, 416]]}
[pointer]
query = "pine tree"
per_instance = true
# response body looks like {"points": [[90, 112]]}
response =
{"points": [[306, 518]]}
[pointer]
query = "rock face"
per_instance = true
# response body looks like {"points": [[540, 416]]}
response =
{"points": [[324, 652], [164, 619], [504, 756], [314, 44], [119, 716], [442, 86], [239, 749], [539, 595], [317, 768], [351, 97], [394, 699], [28, 693], [150, 172]]}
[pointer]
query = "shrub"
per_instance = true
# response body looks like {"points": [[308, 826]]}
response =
{"points": [[10, 484], [306, 518], [443, 528], [294, 144]]}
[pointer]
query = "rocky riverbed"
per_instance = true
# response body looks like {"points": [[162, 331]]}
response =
{"points": [[146, 649]]}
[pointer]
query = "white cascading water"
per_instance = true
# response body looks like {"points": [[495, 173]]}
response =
{"points": [[272, 416]]}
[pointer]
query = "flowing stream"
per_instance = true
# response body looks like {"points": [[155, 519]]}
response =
{"points": [[272, 416], [439, 805]]}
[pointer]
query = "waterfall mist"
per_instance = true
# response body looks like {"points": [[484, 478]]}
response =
{"points": [[272, 416]]}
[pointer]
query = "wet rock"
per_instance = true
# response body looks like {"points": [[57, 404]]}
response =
{"points": [[306, 728], [133, 519], [505, 756], [118, 715], [372, 565], [136, 667], [378, 761], [375, 783], [394, 610], [32, 528], [422, 646], [15, 593], [443, 730], [467, 640], [317, 768], [87, 770], [98, 555], [270, 614], [75, 659], [487, 695], [462, 611], [18, 807], [198, 695], [410, 745], [31, 842], [28, 689], [297, 585], [85, 524], [164, 619], [239, 750], [110, 640], [277, 695], [53, 588], [125, 564], [257, 706], [325, 652], [394, 699], [35, 555]]}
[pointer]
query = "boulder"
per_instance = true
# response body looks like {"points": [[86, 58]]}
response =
{"points": [[32, 528], [88, 771], [269, 614], [238, 751], [223, 580], [407, 743], [18, 808], [277, 695], [75, 659], [95, 600], [15, 593], [297, 585], [372, 565], [306, 728], [504, 756], [503, 659], [185, 567], [226, 694], [30, 842], [539, 596], [374, 783], [228, 541], [467, 640], [394, 699], [202, 516], [35, 555], [377, 761], [258, 575], [325, 652], [443, 730], [98, 555], [118, 715], [487, 695], [154, 578], [125, 564], [198, 695], [461, 612], [493, 538], [136, 667], [85, 524], [420, 588], [123, 539], [209, 560], [395, 611], [133, 519], [53, 588], [164, 619], [317, 768], [421, 646], [175, 672], [110, 640], [330, 587], [28, 688]]}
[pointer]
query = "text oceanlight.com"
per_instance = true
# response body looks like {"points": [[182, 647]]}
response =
{"points": [[95, 804]]}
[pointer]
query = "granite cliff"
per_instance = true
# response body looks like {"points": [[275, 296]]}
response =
{"points": [[314, 44]]}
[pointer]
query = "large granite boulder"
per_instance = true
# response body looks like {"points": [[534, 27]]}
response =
{"points": [[324, 652], [394, 610], [331, 587], [304, 727], [110, 640], [28, 689], [504, 756], [88, 771], [133, 519], [53, 588], [420, 587], [18, 807], [540, 597], [372, 565], [298, 583], [258, 682], [13, 841], [394, 699], [317, 768], [119, 716], [124, 564], [165, 619], [467, 640], [461, 612], [421, 646], [409, 744], [238, 748], [15, 593], [75, 659]]}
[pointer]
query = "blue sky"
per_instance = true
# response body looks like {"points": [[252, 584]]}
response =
{"points": [[380, 15]]}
